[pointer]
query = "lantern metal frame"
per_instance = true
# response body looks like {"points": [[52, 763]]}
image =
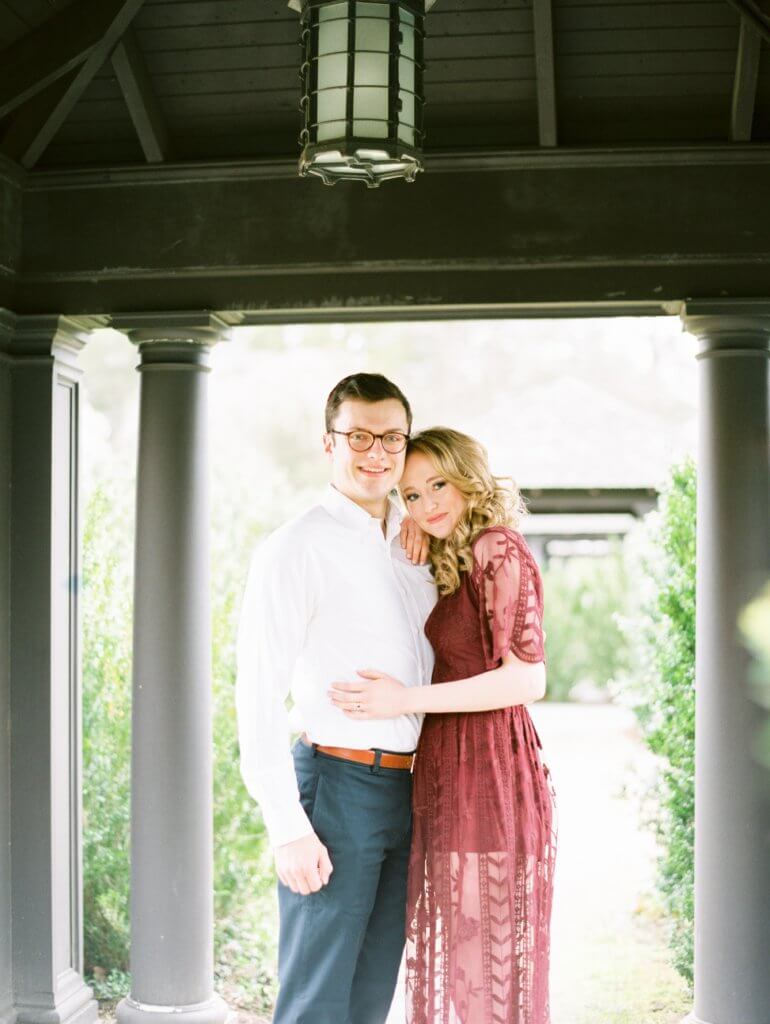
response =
{"points": [[350, 149]]}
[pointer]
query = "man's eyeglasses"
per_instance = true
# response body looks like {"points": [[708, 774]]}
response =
{"points": [[362, 440]]}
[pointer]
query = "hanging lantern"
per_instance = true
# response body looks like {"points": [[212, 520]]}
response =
{"points": [[362, 89]]}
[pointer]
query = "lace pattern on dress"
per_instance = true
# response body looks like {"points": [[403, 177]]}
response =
{"points": [[510, 596], [484, 827]]}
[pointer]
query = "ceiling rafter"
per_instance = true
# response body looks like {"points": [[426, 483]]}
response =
{"points": [[49, 51], [745, 83], [752, 11], [545, 71], [135, 84], [38, 119]]}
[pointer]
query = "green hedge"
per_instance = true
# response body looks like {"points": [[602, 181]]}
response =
{"points": [[583, 598], [661, 688]]}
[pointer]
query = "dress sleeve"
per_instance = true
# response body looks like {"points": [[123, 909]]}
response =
{"points": [[510, 594]]}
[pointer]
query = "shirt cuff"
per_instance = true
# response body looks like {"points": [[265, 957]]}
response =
{"points": [[286, 824]]}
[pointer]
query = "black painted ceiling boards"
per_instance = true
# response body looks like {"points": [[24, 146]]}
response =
{"points": [[224, 74]]}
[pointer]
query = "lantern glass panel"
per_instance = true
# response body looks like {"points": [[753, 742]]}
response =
{"points": [[333, 71], [406, 134], [371, 104], [333, 37], [328, 130], [406, 16], [370, 129], [373, 34], [371, 69], [407, 43], [407, 107], [332, 105], [364, 10], [406, 74], [328, 12]]}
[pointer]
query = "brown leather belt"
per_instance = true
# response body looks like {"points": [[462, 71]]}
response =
{"points": [[386, 760]]}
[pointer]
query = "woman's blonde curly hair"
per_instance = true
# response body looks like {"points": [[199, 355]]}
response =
{"points": [[492, 500]]}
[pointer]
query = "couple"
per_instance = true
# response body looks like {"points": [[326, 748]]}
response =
{"points": [[453, 848]]}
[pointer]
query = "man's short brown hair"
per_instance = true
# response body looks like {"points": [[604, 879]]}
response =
{"points": [[364, 387]]}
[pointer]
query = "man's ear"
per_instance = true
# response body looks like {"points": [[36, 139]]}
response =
{"points": [[328, 442]]}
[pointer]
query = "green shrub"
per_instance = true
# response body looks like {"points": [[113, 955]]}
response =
{"points": [[583, 597], [661, 688], [106, 736]]}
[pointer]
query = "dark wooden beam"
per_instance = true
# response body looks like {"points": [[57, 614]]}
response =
{"points": [[11, 184], [134, 80], [542, 15], [39, 122], [25, 124], [745, 83], [635, 501], [37, 59], [46, 53], [618, 231], [752, 12]]}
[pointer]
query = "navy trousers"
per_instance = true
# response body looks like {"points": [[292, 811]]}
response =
{"points": [[340, 948]]}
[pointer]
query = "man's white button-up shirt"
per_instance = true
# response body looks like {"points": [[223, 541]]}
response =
{"points": [[327, 594]]}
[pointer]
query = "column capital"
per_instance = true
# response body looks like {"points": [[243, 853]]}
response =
{"points": [[31, 338], [738, 326], [184, 327]]}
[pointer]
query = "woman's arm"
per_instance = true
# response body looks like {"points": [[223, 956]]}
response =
{"points": [[381, 696]]}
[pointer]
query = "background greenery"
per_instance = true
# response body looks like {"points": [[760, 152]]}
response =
{"points": [[584, 598], [660, 630]]}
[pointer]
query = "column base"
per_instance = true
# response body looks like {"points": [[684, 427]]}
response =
{"points": [[213, 1011], [77, 1007]]}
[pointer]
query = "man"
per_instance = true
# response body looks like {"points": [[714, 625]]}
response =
{"points": [[329, 593]]}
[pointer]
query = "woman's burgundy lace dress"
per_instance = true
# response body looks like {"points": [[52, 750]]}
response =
{"points": [[483, 848]]}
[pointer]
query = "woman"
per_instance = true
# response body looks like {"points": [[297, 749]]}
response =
{"points": [[483, 847]]}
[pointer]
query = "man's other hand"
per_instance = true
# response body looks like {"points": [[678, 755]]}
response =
{"points": [[304, 865]]}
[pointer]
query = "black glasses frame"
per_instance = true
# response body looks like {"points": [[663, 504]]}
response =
{"points": [[374, 437]]}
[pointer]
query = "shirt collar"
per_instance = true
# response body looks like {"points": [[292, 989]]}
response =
{"points": [[346, 511]]}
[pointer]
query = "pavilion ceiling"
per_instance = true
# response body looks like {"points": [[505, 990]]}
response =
{"points": [[609, 153], [210, 80]]}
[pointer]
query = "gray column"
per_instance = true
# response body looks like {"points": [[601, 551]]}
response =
{"points": [[7, 322], [171, 764], [732, 802], [46, 892]]}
